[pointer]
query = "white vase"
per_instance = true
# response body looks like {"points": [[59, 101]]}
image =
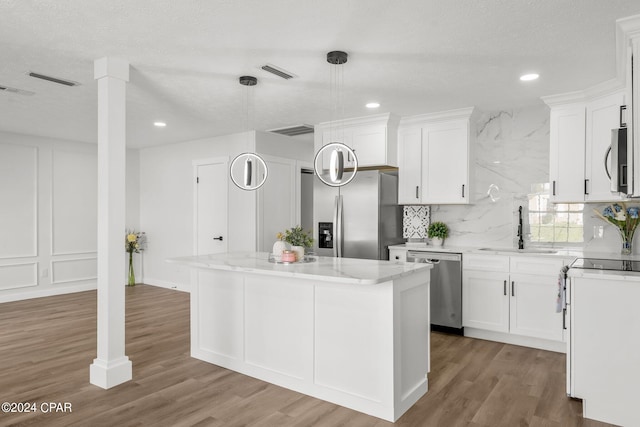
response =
{"points": [[299, 250], [278, 247], [437, 241]]}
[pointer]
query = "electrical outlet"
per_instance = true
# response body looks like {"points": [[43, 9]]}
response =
{"points": [[44, 273]]}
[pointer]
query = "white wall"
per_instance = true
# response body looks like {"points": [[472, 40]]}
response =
{"points": [[48, 215], [166, 200]]}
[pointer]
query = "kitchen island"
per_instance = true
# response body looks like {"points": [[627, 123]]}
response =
{"points": [[349, 331]]}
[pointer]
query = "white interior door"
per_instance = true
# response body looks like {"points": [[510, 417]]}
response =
{"points": [[211, 207]]}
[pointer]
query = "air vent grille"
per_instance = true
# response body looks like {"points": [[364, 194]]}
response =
{"points": [[53, 79], [278, 71], [294, 130], [14, 90]]}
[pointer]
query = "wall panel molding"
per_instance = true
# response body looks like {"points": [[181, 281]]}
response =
{"points": [[74, 270], [19, 195], [74, 203], [18, 275]]}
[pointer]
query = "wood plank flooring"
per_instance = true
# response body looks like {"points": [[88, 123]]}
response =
{"points": [[47, 345]]}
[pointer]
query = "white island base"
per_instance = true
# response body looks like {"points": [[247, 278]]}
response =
{"points": [[355, 340]]}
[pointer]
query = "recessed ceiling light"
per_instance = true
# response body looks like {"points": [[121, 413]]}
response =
{"points": [[529, 77], [159, 124], [373, 105]]}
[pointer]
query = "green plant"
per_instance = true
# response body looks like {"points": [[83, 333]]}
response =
{"points": [[296, 236], [438, 229]]}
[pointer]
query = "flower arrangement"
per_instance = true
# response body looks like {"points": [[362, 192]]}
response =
{"points": [[133, 242], [296, 236], [437, 230], [625, 219]]}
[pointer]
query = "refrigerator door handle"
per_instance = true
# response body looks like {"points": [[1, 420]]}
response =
{"points": [[340, 239], [336, 238]]}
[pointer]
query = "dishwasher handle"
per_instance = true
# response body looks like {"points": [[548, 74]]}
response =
{"points": [[433, 257]]}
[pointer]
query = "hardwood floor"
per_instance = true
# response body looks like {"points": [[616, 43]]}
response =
{"points": [[47, 345]]}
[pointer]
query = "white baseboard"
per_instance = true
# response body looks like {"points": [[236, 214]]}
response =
{"points": [[47, 292], [183, 287], [542, 344]]}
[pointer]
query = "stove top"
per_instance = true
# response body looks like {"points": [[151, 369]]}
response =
{"points": [[606, 264]]}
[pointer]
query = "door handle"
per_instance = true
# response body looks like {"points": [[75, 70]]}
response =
{"points": [[504, 288], [218, 238], [416, 191], [606, 165], [463, 191], [586, 191], [564, 318], [554, 188], [513, 288]]}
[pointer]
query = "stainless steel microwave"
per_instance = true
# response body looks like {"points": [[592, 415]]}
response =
{"points": [[619, 161]]}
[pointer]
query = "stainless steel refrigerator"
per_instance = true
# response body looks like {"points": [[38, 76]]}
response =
{"points": [[360, 219]]}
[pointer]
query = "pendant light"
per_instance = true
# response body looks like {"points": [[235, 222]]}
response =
{"points": [[247, 167], [329, 162]]}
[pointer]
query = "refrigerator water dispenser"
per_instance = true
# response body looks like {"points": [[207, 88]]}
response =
{"points": [[325, 235]]}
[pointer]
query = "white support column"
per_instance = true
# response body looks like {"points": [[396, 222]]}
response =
{"points": [[112, 366]]}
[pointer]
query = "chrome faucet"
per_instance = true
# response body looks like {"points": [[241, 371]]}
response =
{"points": [[520, 240]]}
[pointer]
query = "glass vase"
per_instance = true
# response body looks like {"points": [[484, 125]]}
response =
{"points": [[627, 239], [132, 276]]}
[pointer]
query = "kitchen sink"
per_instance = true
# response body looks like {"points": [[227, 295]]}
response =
{"points": [[521, 251]]}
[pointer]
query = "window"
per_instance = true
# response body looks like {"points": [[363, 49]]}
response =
{"points": [[554, 223]]}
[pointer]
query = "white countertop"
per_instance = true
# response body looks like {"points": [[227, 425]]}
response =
{"points": [[328, 269], [604, 274], [571, 253]]}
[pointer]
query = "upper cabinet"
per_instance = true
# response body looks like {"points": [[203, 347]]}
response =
{"points": [[372, 138], [435, 158], [628, 64], [603, 115], [580, 137]]}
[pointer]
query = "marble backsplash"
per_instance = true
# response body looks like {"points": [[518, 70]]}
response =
{"points": [[511, 155]]}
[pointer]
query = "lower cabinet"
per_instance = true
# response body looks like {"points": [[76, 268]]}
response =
{"points": [[512, 294], [398, 255]]}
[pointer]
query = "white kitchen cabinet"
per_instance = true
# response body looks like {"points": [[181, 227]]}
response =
{"points": [[410, 172], [397, 255], [580, 135], [567, 152], [435, 158], [445, 161], [372, 138], [512, 294], [603, 115], [532, 310], [485, 304]]}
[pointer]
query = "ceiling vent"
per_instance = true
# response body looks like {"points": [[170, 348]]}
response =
{"points": [[53, 79], [278, 71], [14, 90], [294, 130]]}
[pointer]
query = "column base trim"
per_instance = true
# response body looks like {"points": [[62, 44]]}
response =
{"points": [[107, 374]]}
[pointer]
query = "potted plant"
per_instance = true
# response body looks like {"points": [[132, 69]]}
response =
{"points": [[298, 239], [437, 232]]}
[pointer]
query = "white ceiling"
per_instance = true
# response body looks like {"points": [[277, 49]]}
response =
{"points": [[412, 56]]}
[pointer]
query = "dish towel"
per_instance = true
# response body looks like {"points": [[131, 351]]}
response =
{"points": [[562, 279]]}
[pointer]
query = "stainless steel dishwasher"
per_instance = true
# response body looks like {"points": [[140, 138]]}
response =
{"points": [[446, 288]]}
